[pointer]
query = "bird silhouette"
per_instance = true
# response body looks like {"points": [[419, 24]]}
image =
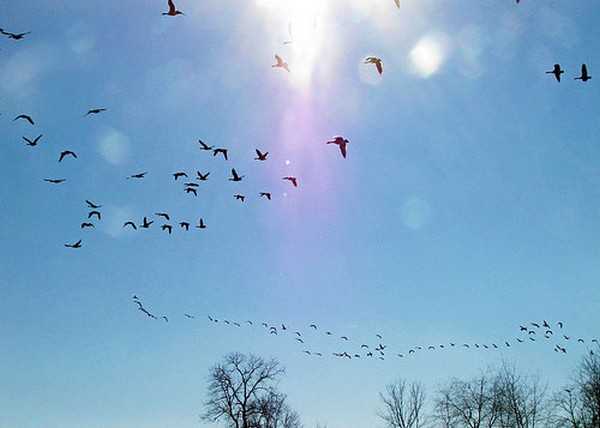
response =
{"points": [[545, 324], [557, 71], [261, 156], [165, 318], [139, 175], [14, 36], [202, 177], [94, 213], [65, 154], [32, 143], [92, 205], [204, 146], [87, 225], [313, 326], [280, 63], [191, 190], [94, 111], [377, 61], [235, 176], [189, 316], [344, 338], [222, 151], [536, 325], [265, 195], [172, 10], [292, 180], [184, 225], [146, 224], [560, 324], [201, 224], [75, 245], [24, 117], [55, 180], [584, 74], [179, 174], [130, 223], [240, 197], [523, 328], [341, 142], [167, 227], [163, 215]]}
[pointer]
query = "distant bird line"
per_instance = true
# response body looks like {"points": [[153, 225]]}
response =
{"points": [[381, 350]]}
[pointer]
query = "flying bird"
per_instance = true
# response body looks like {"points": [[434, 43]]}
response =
{"points": [[14, 36], [34, 142], [54, 180], [584, 74], [94, 213], [94, 111], [191, 184], [87, 225], [75, 245], [293, 180], [191, 190], [165, 318], [204, 146], [344, 338], [557, 71], [92, 205], [240, 197], [235, 176], [222, 151], [179, 174], [266, 195], [130, 223], [313, 326], [140, 175], [280, 63], [341, 142], [377, 61], [202, 177], [146, 224], [167, 227], [201, 224], [25, 117], [261, 156], [184, 225], [163, 215], [66, 153], [189, 316], [560, 324], [172, 10]]}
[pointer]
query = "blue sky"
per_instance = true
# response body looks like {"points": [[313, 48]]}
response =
{"points": [[468, 203]]}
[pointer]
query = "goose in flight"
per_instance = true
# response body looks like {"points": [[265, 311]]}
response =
{"points": [[24, 117], [261, 156], [201, 224], [377, 61], [165, 318], [14, 36], [204, 146], [191, 190], [94, 111], [292, 180], [559, 324], [584, 74], [66, 153], [341, 142], [92, 205], [545, 324], [167, 227], [163, 215], [138, 176], [536, 325], [235, 176], [95, 213], [189, 316], [557, 71], [344, 338], [265, 195], [523, 328], [33, 143], [75, 245], [55, 180], [130, 223], [314, 326], [172, 10], [179, 174], [240, 197], [280, 63], [202, 177], [222, 151], [146, 224], [87, 225], [184, 225]]}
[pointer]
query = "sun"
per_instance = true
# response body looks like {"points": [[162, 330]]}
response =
{"points": [[301, 24]]}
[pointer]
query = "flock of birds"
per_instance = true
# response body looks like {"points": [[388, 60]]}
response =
{"points": [[530, 332]]}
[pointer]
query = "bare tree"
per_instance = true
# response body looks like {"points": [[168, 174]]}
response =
{"points": [[522, 399], [471, 404], [242, 394], [403, 405]]}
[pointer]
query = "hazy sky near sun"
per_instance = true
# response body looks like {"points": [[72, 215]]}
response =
{"points": [[468, 204]]}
